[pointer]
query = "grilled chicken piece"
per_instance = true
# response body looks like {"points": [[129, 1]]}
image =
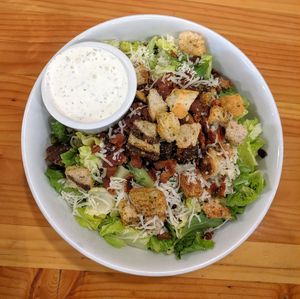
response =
{"points": [[127, 212], [188, 135], [81, 176]]}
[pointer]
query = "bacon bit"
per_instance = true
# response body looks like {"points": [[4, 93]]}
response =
{"points": [[222, 189], [106, 182], [128, 186], [221, 133], [211, 137], [213, 189], [169, 167], [136, 161], [95, 149], [110, 171], [202, 142], [118, 140], [164, 236]]}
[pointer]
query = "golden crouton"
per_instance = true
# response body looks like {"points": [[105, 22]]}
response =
{"points": [[149, 202], [156, 104], [146, 127], [168, 126], [142, 75], [233, 104], [188, 135], [190, 188], [235, 133], [218, 115], [127, 212], [143, 145], [81, 176], [191, 43], [141, 96], [210, 164], [180, 101], [207, 97], [214, 209]]}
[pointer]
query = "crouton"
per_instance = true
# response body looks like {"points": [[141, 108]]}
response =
{"points": [[141, 96], [81, 176], [190, 187], [192, 43], [156, 104], [207, 97], [142, 75], [180, 101], [218, 115], [127, 212], [149, 202], [233, 104], [235, 133], [214, 209], [146, 127], [188, 135], [143, 145], [168, 126], [210, 164]]}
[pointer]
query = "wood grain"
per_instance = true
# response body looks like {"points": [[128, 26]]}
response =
{"points": [[45, 283], [31, 31]]}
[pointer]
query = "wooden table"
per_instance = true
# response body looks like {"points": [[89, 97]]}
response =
{"points": [[37, 262]]}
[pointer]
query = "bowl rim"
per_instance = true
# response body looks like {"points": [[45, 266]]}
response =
{"points": [[187, 269], [105, 122]]}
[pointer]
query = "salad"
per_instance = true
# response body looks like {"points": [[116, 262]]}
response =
{"points": [[180, 164]]}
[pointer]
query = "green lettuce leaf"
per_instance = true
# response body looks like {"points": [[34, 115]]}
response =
{"points": [[88, 159], [88, 139], [204, 68], [168, 46], [191, 243], [69, 157], [59, 132], [114, 241], [133, 237], [159, 246], [56, 178], [141, 176], [111, 226], [200, 225], [247, 188], [88, 221]]}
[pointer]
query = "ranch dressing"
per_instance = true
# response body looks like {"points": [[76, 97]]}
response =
{"points": [[87, 84]]}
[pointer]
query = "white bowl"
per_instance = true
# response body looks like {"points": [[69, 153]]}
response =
{"points": [[232, 63], [105, 123]]}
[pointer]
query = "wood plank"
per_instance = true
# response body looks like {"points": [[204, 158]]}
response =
{"points": [[28, 246], [48, 283]]}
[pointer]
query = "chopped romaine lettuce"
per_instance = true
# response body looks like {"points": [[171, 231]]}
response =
{"points": [[229, 91], [247, 188], [127, 47], [88, 159], [69, 157], [158, 246], [114, 241], [167, 45], [204, 68], [86, 220], [56, 178], [191, 243], [134, 237], [59, 132], [111, 225], [141, 176], [122, 172], [100, 202], [89, 139]]}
